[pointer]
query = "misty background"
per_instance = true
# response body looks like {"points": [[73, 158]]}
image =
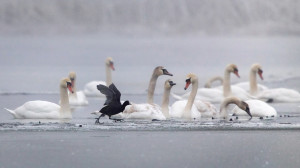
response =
{"points": [[42, 40]]}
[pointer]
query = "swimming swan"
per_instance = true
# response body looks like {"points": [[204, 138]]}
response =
{"points": [[46, 110]]}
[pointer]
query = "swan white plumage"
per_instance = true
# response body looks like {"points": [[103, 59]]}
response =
{"points": [[147, 110], [190, 108], [233, 100], [217, 94], [77, 98], [280, 95], [252, 86], [46, 110], [90, 89], [258, 108]]}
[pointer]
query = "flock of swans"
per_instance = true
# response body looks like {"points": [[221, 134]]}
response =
{"points": [[249, 98]]}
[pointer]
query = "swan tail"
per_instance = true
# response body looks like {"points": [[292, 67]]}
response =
{"points": [[11, 112], [176, 96]]}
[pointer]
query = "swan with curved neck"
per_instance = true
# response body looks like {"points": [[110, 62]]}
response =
{"points": [[252, 86], [233, 100], [46, 110], [158, 71], [77, 98], [166, 97], [148, 110], [90, 89], [258, 109], [212, 80], [190, 108], [231, 68]]}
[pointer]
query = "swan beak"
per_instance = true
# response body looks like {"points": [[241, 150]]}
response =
{"points": [[260, 72], [112, 66], [248, 112], [166, 72], [187, 85], [70, 88], [173, 84], [237, 73], [72, 81]]}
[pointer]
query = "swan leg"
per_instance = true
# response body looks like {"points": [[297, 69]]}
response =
{"points": [[97, 119]]}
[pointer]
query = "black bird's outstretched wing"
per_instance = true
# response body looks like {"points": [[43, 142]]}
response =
{"points": [[109, 93], [116, 91]]}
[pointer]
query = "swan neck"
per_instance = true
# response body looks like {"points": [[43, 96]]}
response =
{"points": [[65, 110], [108, 75], [224, 105], [165, 102], [151, 88], [190, 102], [253, 83], [226, 84], [209, 82]]}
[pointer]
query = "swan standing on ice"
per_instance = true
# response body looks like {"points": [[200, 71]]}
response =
{"points": [[90, 89], [189, 109], [77, 98], [241, 105], [252, 87], [147, 110], [46, 110]]}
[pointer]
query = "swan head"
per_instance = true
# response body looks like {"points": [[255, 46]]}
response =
{"points": [[233, 69], [169, 84], [110, 63], [244, 106], [160, 70], [190, 79], [72, 77], [67, 84], [256, 68]]}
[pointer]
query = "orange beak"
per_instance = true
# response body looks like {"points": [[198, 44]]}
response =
{"points": [[112, 66], [70, 88], [187, 85], [260, 75]]}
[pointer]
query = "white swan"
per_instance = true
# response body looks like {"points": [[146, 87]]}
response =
{"points": [[44, 109], [257, 108], [190, 108], [77, 98], [165, 108], [280, 95], [90, 89], [216, 95], [212, 80], [147, 110], [252, 86], [233, 100]]}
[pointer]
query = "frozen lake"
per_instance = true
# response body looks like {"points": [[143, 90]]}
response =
{"points": [[150, 149], [32, 66]]}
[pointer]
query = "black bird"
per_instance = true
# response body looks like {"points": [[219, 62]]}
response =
{"points": [[112, 104]]}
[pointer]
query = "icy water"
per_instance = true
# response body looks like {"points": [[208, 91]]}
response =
{"points": [[32, 66]]}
